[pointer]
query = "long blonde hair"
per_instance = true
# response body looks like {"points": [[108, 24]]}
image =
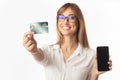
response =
{"points": [[81, 34]]}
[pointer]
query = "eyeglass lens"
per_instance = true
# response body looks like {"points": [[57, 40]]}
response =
{"points": [[70, 18]]}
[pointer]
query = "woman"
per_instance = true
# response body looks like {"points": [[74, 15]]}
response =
{"points": [[71, 57]]}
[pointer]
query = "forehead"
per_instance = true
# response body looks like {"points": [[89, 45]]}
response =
{"points": [[67, 12]]}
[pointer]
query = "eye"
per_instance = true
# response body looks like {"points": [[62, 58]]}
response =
{"points": [[60, 17], [71, 17]]}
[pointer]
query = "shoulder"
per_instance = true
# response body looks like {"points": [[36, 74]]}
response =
{"points": [[89, 52]]}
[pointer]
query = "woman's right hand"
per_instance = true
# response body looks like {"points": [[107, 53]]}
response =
{"points": [[29, 42]]}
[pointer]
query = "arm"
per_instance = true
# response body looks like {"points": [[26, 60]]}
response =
{"points": [[30, 44], [94, 72]]}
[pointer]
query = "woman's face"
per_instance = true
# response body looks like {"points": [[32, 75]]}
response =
{"points": [[67, 23]]}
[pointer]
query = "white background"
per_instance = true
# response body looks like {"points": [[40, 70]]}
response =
{"points": [[102, 19]]}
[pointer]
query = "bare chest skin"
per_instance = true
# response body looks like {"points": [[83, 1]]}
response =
{"points": [[67, 52]]}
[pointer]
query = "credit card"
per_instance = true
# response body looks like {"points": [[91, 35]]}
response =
{"points": [[39, 27]]}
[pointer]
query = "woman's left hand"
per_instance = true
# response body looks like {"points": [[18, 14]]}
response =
{"points": [[110, 67], [95, 72]]}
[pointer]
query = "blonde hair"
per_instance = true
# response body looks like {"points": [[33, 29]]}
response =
{"points": [[81, 34]]}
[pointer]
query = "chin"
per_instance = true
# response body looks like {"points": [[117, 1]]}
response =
{"points": [[66, 34]]}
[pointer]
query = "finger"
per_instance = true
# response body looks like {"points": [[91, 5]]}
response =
{"points": [[110, 65], [25, 41], [32, 48], [25, 38], [110, 68], [110, 62], [29, 43], [28, 34]]}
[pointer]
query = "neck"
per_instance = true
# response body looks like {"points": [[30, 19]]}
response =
{"points": [[68, 46], [69, 42]]}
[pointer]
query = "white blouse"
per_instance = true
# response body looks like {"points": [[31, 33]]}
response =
{"points": [[77, 67]]}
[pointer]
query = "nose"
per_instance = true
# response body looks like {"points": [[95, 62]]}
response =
{"points": [[66, 20]]}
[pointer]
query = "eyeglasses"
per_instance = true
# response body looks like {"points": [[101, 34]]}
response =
{"points": [[69, 18]]}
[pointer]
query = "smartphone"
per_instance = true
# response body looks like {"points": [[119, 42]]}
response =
{"points": [[39, 27], [103, 58]]}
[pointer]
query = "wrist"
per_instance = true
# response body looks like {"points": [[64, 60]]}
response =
{"points": [[35, 51], [95, 75]]}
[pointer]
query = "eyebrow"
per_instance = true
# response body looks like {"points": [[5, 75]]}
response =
{"points": [[67, 15]]}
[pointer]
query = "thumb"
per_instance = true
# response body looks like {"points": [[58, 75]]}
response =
{"points": [[31, 35]]}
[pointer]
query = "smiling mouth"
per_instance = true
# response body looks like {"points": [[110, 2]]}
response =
{"points": [[66, 27]]}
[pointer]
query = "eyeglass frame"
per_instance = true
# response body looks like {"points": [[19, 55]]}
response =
{"points": [[69, 18]]}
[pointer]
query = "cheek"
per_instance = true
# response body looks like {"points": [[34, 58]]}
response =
{"points": [[59, 26], [75, 26]]}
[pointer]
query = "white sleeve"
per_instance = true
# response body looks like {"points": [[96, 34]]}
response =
{"points": [[46, 52], [93, 54]]}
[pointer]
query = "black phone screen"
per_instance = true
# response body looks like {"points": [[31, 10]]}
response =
{"points": [[103, 58]]}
